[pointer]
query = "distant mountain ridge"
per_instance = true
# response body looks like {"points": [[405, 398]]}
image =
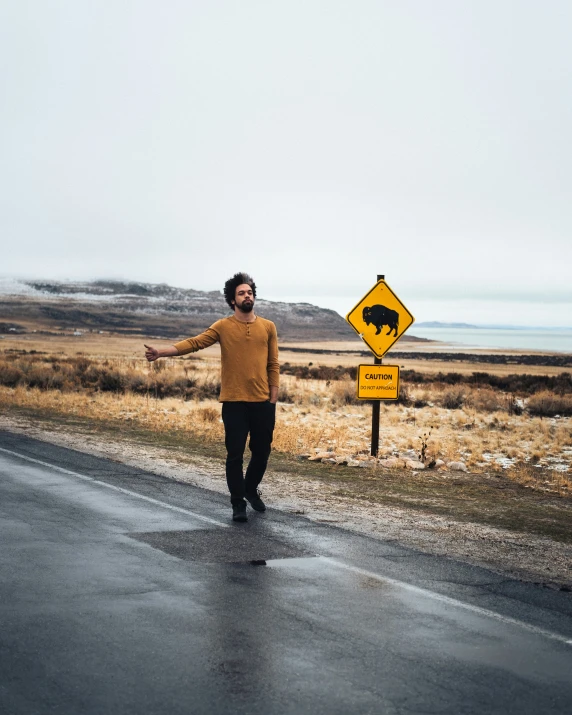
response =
{"points": [[438, 324], [152, 309], [486, 326]]}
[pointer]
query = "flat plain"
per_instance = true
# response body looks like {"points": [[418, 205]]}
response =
{"points": [[467, 443]]}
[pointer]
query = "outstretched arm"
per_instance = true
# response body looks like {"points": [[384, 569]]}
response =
{"points": [[191, 345], [202, 341], [152, 353]]}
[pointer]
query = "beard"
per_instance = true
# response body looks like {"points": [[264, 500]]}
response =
{"points": [[246, 307]]}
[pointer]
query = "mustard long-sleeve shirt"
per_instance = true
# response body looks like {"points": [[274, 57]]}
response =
{"points": [[249, 353]]}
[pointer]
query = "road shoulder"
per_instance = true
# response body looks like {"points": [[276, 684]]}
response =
{"points": [[514, 554]]}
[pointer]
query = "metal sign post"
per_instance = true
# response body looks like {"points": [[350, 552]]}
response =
{"points": [[375, 408]]}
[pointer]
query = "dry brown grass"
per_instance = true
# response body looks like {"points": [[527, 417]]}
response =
{"points": [[464, 423]]}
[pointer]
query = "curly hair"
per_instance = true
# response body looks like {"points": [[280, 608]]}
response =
{"points": [[232, 284]]}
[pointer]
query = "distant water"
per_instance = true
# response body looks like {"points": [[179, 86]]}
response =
{"points": [[549, 339]]}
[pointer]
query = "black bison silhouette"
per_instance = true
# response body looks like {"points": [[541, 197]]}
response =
{"points": [[379, 316]]}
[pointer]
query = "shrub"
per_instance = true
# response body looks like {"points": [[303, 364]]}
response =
{"points": [[513, 407], [453, 398], [111, 381], [343, 392], [137, 383], [320, 372], [208, 414], [548, 404], [179, 386], [284, 395], [404, 397], [486, 400], [520, 384], [207, 390], [415, 377], [43, 377], [314, 399], [90, 376], [10, 376], [80, 364]]}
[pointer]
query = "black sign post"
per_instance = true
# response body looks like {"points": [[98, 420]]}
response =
{"points": [[375, 408]]}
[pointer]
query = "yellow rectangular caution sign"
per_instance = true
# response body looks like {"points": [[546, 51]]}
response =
{"points": [[378, 382]]}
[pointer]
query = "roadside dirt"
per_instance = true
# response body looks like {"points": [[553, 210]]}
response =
{"points": [[517, 555]]}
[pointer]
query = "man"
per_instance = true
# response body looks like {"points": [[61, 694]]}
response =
{"points": [[249, 387]]}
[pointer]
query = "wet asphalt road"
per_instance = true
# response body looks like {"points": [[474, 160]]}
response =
{"points": [[124, 592]]}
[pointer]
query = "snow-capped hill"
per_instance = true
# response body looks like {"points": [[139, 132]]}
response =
{"points": [[129, 306]]}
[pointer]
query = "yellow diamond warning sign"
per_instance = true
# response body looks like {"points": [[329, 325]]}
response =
{"points": [[378, 382], [380, 318]]}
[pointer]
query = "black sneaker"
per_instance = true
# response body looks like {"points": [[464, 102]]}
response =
{"points": [[239, 511], [255, 501]]}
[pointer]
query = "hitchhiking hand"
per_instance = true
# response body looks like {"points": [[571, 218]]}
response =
{"points": [[151, 353]]}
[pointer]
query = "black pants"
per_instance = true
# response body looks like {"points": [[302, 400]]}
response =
{"points": [[241, 419]]}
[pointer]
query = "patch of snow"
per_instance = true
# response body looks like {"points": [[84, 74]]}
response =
{"points": [[13, 286]]}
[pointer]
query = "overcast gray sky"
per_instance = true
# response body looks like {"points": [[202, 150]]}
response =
{"points": [[311, 143]]}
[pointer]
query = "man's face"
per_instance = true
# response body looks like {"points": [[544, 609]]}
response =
{"points": [[244, 298]]}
